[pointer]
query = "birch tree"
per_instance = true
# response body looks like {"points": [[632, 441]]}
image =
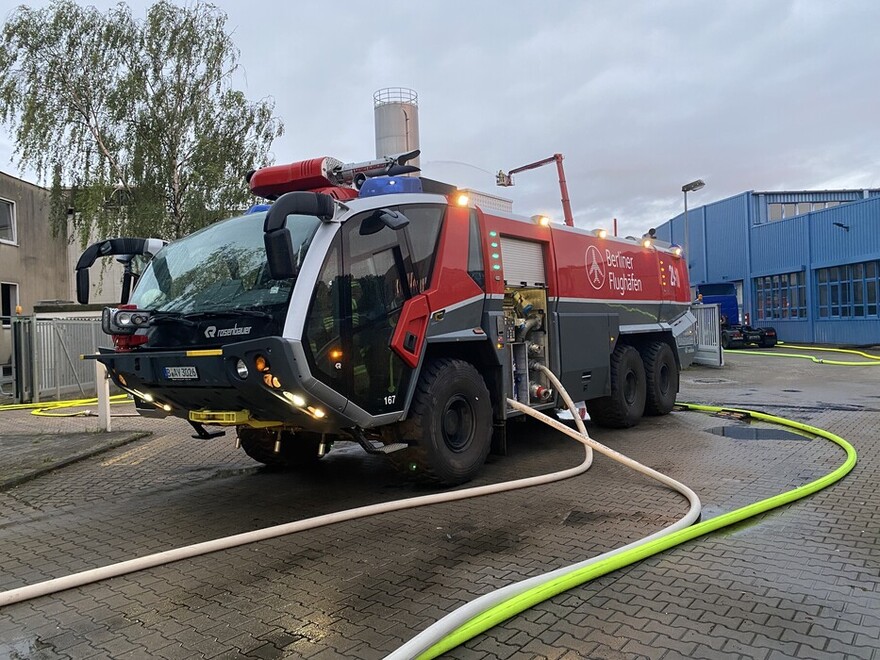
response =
{"points": [[135, 123]]}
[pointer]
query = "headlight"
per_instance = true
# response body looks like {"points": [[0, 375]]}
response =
{"points": [[123, 321], [241, 369]]}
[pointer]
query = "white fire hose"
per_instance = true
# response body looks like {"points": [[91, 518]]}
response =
{"points": [[453, 620]]}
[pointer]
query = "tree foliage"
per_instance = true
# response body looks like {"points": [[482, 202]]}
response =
{"points": [[136, 120]]}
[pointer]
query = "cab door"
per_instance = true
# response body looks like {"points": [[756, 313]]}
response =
{"points": [[371, 271]]}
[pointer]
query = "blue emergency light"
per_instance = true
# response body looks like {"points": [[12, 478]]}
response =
{"points": [[389, 185]]}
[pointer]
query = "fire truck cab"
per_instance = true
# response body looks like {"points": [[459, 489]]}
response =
{"points": [[396, 312]]}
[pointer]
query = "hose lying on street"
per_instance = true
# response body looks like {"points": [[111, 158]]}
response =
{"points": [[448, 627], [488, 611], [44, 408], [870, 361], [130, 566], [491, 609]]}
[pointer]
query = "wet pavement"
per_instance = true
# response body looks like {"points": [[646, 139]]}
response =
{"points": [[26, 456], [802, 581]]}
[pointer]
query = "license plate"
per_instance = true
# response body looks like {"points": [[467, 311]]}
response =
{"points": [[181, 373]]}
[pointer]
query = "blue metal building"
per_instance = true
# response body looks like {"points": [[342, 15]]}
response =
{"points": [[807, 262]]}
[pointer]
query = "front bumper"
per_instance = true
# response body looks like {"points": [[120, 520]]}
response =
{"points": [[182, 382]]}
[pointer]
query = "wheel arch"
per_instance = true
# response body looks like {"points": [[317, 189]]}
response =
{"points": [[641, 340], [482, 355]]}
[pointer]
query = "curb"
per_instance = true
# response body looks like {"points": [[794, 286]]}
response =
{"points": [[68, 460]]}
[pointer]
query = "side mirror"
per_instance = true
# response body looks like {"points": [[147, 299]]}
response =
{"points": [[82, 286], [279, 254], [108, 248], [276, 235]]}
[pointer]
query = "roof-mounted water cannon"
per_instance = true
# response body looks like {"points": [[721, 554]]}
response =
{"points": [[506, 179], [356, 173], [328, 175]]}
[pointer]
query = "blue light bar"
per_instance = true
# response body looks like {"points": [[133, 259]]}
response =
{"points": [[389, 185]]}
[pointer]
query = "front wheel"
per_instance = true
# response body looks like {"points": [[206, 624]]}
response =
{"points": [[449, 427], [625, 405]]}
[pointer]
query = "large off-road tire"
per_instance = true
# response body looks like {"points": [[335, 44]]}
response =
{"points": [[661, 378], [625, 405], [449, 426], [296, 449]]}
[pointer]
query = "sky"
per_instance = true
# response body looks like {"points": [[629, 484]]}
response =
{"points": [[639, 97]]}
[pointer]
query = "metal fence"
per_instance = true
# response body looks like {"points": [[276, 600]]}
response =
{"points": [[46, 360], [708, 335], [5, 356]]}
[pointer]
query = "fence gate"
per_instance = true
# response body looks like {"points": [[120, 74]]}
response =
{"points": [[46, 357], [708, 335]]}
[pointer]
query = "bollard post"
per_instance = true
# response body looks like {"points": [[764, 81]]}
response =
{"points": [[102, 383]]}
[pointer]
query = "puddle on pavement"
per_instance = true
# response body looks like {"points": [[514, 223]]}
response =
{"points": [[25, 648], [754, 433]]}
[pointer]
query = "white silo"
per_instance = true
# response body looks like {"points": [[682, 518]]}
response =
{"points": [[397, 122]]}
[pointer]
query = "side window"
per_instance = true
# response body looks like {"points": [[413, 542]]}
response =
{"points": [[323, 334], [7, 221], [475, 253], [376, 289], [423, 230]]}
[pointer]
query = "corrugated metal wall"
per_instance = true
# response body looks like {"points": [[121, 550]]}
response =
{"points": [[733, 240], [726, 240], [858, 239], [780, 247]]}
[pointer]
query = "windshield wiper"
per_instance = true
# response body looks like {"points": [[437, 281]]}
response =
{"points": [[159, 318], [250, 313]]}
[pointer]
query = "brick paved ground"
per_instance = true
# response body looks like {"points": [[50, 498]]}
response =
{"points": [[798, 582]]}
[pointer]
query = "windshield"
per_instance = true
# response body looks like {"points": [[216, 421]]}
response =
{"points": [[221, 268]]}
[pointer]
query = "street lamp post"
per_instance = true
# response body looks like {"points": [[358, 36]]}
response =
{"points": [[686, 188]]}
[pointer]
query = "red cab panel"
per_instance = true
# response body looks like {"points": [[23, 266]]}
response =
{"points": [[408, 338]]}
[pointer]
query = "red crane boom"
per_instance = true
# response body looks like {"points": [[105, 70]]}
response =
{"points": [[503, 179]]}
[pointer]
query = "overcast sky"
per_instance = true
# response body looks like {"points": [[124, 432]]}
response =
{"points": [[640, 97]]}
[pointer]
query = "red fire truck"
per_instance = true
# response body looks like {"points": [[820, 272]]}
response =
{"points": [[393, 311]]}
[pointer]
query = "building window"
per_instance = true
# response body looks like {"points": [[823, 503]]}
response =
{"points": [[7, 221], [8, 302], [781, 296], [778, 211], [848, 291]]}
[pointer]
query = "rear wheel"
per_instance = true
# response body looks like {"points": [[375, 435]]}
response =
{"points": [[768, 342], [661, 378], [294, 449], [725, 340], [625, 405], [449, 427]]}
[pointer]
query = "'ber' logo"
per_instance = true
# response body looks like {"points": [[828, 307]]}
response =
{"points": [[595, 267]]}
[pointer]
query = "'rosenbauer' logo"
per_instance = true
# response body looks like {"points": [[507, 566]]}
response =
{"points": [[595, 267]]}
